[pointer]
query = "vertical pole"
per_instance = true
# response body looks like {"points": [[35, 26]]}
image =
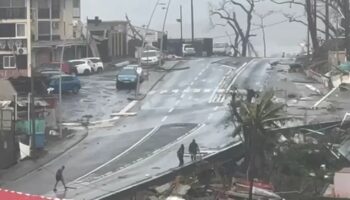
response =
{"points": [[327, 19], [143, 44], [162, 39], [60, 92], [337, 39], [192, 21], [29, 39], [181, 24], [50, 14], [263, 32]]}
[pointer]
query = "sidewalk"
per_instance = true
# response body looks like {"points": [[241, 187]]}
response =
{"points": [[52, 151]]}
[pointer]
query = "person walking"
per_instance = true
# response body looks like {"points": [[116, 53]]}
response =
{"points": [[193, 149], [59, 177], [180, 155]]}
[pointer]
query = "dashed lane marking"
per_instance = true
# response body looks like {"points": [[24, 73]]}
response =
{"points": [[171, 110], [163, 91], [196, 90], [164, 118]]}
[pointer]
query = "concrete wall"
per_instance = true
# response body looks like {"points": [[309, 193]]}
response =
{"points": [[342, 185]]}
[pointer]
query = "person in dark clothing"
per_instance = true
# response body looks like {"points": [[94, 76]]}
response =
{"points": [[180, 155], [193, 149], [59, 177]]}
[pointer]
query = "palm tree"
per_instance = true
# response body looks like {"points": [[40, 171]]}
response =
{"points": [[254, 121]]}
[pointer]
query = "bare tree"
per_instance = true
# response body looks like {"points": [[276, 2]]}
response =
{"points": [[314, 15], [227, 11]]}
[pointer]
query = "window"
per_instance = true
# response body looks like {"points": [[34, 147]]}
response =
{"points": [[5, 3], [18, 4], [7, 30], [9, 62], [44, 28], [76, 3], [20, 30]]}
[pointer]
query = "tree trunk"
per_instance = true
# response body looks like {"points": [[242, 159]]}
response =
{"points": [[327, 20], [312, 24]]}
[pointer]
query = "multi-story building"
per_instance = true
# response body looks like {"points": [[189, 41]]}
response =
{"points": [[56, 23], [15, 38], [33, 32]]}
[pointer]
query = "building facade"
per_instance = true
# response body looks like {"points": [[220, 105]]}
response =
{"points": [[56, 23], [33, 32], [107, 39], [15, 38]]}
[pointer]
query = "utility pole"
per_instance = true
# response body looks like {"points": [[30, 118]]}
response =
{"points": [[181, 21], [192, 21], [162, 40], [327, 20], [32, 114], [143, 44]]}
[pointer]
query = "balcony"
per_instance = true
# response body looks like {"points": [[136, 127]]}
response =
{"points": [[13, 13]]}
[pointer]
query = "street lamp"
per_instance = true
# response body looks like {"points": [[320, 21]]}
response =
{"points": [[180, 20], [262, 17], [162, 39], [64, 44], [143, 44]]}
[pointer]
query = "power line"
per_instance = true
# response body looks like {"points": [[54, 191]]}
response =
{"points": [[259, 28]]}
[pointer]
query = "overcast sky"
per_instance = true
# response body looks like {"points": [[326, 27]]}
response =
{"points": [[283, 37]]}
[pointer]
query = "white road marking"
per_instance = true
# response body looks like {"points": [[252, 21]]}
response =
{"points": [[187, 90], [207, 90], [200, 73], [239, 72], [121, 154], [177, 102], [178, 141], [210, 116], [163, 91], [216, 108], [192, 83], [221, 91], [171, 110], [182, 96], [196, 78], [175, 91], [164, 118], [152, 92], [196, 90]]}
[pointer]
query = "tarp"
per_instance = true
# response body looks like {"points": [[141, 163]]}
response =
{"points": [[13, 195], [345, 66], [22, 126]]}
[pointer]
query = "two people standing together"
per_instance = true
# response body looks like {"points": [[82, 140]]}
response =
{"points": [[193, 150]]}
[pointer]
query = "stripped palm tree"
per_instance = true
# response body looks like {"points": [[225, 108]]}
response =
{"points": [[254, 121]]}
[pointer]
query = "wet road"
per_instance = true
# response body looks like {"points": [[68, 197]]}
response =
{"points": [[187, 104]]}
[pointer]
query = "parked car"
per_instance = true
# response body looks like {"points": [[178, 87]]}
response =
{"points": [[188, 50], [138, 69], [97, 64], [69, 84], [55, 66], [127, 78], [150, 57], [222, 49], [81, 66]]}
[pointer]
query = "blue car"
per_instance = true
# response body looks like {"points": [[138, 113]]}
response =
{"points": [[69, 84]]}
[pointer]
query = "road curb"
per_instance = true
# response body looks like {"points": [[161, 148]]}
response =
{"points": [[84, 135], [157, 81]]}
